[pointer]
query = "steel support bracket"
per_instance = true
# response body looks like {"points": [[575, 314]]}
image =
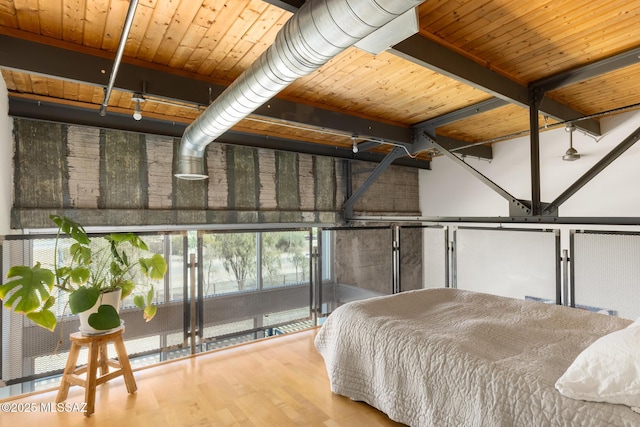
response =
{"points": [[518, 210], [422, 142], [381, 167], [516, 206]]}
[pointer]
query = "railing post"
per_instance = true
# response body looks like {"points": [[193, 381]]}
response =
{"points": [[192, 305], [395, 259], [565, 276], [316, 282]]}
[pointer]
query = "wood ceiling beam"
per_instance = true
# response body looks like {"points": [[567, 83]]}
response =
{"points": [[431, 55], [91, 66], [288, 5], [481, 152], [481, 107], [585, 72], [464, 148], [429, 127]]}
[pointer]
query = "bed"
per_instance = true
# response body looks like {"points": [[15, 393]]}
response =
{"points": [[448, 357]]}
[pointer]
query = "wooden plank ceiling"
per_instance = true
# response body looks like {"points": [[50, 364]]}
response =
{"points": [[515, 42]]}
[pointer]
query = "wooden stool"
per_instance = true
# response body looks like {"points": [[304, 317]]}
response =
{"points": [[98, 357]]}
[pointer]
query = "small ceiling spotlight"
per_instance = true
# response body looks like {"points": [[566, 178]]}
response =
{"points": [[137, 111], [355, 143], [572, 153]]}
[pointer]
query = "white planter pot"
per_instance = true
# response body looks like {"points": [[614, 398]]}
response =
{"points": [[110, 298]]}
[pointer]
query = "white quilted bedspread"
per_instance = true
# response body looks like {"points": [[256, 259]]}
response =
{"points": [[447, 357]]}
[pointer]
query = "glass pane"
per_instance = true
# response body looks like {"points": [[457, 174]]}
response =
{"points": [[255, 285], [176, 270], [411, 243], [327, 263], [435, 258], [43, 251], [356, 264], [155, 245], [604, 261], [285, 258], [500, 262], [229, 263], [362, 262]]}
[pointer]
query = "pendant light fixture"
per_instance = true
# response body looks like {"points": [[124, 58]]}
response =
{"points": [[572, 153], [137, 110]]}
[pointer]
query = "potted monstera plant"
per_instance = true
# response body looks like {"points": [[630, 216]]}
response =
{"points": [[92, 273]]}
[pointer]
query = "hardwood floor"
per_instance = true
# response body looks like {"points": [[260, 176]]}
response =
{"points": [[279, 381]]}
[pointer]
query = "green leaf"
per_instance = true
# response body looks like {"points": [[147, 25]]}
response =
{"points": [[63, 271], [80, 253], [114, 269], [120, 237], [44, 318], [115, 254], [83, 299], [132, 238], [127, 287], [140, 244], [57, 220], [31, 287], [154, 267], [145, 304], [49, 303], [80, 275], [72, 228], [149, 312], [138, 300], [117, 239], [105, 318]]}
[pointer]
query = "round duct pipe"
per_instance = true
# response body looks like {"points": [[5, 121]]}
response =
{"points": [[191, 168], [320, 30]]}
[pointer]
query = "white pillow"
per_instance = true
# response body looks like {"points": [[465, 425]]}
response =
{"points": [[607, 371]]}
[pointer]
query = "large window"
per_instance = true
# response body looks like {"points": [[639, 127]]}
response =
{"points": [[229, 262], [247, 261], [285, 258], [177, 257], [254, 283]]}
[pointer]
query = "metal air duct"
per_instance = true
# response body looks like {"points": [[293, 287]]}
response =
{"points": [[319, 31]]}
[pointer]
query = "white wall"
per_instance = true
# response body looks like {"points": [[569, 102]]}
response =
{"points": [[6, 157], [449, 190]]}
